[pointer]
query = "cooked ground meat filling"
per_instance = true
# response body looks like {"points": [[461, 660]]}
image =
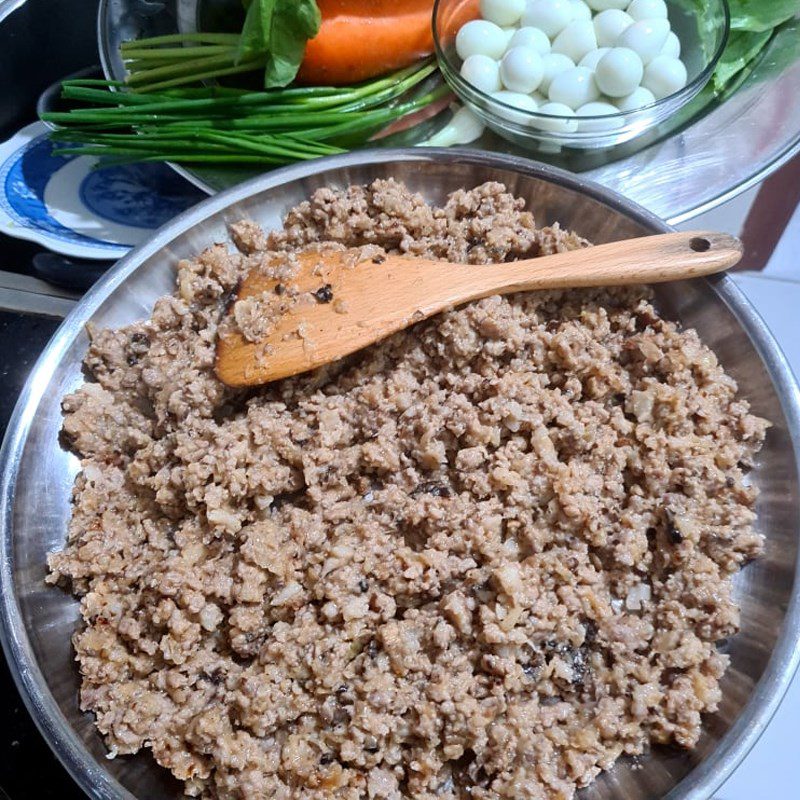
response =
{"points": [[482, 559]]}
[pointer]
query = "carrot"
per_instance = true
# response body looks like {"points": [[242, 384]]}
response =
{"points": [[359, 39]]}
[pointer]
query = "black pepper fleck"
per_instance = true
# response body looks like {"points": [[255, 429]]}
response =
{"points": [[280, 289], [432, 488], [324, 294], [675, 536], [327, 758], [139, 344], [378, 259], [579, 667], [363, 585], [216, 677], [532, 672]]}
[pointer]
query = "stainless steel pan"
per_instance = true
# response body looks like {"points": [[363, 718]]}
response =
{"points": [[37, 475]]}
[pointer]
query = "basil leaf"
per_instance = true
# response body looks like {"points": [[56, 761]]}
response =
{"points": [[294, 22], [784, 50], [256, 31], [752, 24], [759, 16], [278, 29], [743, 47]]}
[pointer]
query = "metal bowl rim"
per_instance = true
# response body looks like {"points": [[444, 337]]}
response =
{"points": [[699, 783]]}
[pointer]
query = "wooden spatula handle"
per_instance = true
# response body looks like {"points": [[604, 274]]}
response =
{"points": [[651, 259]]}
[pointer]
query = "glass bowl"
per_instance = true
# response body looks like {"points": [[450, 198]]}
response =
{"points": [[702, 28]]}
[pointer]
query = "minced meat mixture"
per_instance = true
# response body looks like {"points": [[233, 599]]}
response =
{"points": [[483, 559]]}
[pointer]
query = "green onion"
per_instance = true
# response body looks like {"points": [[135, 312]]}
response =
{"points": [[213, 124], [179, 38]]}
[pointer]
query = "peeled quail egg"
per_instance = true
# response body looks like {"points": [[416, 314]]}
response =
{"points": [[638, 98], [580, 11], [521, 70], [598, 109], [502, 12], [563, 125], [672, 47], [609, 24], [645, 37], [574, 87], [550, 16], [531, 37], [524, 102], [481, 72], [480, 37], [591, 59], [554, 64], [619, 72], [648, 9], [604, 5], [576, 40], [664, 75]]}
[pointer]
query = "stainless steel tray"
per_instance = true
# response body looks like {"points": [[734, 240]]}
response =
{"points": [[708, 154], [37, 474]]}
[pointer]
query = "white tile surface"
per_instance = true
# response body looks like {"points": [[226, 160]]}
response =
{"points": [[778, 301], [785, 261], [770, 770]]}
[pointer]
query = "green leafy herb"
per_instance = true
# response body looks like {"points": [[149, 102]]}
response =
{"points": [[293, 24], [743, 47], [278, 30], [785, 48], [754, 25], [256, 30], [760, 16]]}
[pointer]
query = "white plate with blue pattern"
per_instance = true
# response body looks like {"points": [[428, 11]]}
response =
{"points": [[73, 206]]}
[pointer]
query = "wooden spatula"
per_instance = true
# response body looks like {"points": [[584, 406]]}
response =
{"points": [[332, 305]]}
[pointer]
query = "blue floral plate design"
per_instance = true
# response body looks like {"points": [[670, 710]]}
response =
{"points": [[73, 206]]}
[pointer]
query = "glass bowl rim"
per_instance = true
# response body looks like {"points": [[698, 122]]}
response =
{"points": [[463, 86]]}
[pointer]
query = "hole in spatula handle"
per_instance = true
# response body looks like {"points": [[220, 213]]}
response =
{"points": [[699, 244]]}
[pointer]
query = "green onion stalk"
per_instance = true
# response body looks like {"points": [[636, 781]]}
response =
{"points": [[222, 125]]}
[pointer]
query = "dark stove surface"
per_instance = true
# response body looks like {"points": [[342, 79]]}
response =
{"points": [[28, 768]]}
